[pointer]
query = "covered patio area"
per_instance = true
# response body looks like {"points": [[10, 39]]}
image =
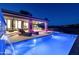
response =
{"points": [[29, 24]]}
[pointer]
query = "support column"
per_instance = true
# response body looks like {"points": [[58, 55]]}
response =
{"points": [[22, 26], [30, 25], [46, 26], [12, 25]]}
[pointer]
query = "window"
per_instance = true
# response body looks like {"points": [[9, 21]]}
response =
{"points": [[8, 23], [19, 24], [25, 25], [15, 25], [36, 25]]}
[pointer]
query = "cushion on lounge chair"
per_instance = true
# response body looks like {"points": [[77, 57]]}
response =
{"points": [[36, 33], [22, 32]]}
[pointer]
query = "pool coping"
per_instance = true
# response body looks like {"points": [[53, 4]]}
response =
{"points": [[30, 39]]}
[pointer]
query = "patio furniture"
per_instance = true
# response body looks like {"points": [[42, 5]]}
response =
{"points": [[36, 33], [22, 32]]}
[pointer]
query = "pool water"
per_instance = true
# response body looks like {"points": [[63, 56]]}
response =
{"points": [[56, 43]]}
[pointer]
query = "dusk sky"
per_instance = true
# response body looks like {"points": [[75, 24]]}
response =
{"points": [[57, 14]]}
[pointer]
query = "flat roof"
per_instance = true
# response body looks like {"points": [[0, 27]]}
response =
{"points": [[18, 14]]}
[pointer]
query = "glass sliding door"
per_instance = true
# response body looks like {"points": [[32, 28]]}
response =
{"points": [[9, 22], [19, 25], [37, 26], [25, 26], [15, 25], [9, 25]]}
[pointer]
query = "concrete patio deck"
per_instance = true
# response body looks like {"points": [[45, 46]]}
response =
{"points": [[15, 37]]}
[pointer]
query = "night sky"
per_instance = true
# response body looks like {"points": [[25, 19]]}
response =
{"points": [[57, 14]]}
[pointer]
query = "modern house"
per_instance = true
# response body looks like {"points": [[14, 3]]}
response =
{"points": [[17, 20], [25, 21]]}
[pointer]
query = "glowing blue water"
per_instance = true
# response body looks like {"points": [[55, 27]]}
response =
{"points": [[2, 32], [54, 44]]}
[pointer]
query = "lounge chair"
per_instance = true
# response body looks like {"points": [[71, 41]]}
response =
{"points": [[36, 33], [22, 32]]}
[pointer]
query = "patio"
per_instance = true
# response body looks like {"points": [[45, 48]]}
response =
{"points": [[15, 37]]}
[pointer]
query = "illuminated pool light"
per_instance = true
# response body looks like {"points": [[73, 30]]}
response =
{"points": [[34, 42]]}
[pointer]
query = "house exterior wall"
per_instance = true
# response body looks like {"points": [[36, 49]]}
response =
{"points": [[28, 20]]}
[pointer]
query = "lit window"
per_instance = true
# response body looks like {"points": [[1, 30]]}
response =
{"points": [[19, 24], [8, 23], [16, 24]]}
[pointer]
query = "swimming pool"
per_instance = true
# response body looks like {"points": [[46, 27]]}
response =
{"points": [[56, 43]]}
